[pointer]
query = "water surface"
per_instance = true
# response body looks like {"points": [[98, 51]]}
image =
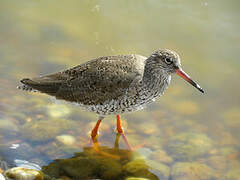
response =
{"points": [[183, 131]]}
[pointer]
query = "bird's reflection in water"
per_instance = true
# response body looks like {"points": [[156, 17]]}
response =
{"points": [[100, 162], [116, 146]]}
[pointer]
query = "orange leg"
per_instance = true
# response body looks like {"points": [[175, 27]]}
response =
{"points": [[120, 131], [95, 129], [119, 124]]}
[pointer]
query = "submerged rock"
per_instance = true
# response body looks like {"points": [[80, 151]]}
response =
{"points": [[232, 117], [45, 129], [145, 152], [58, 110], [148, 128], [3, 166], [160, 169], [227, 139], [217, 162], [136, 178], [187, 146], [26, 164], [228, 150], [7, 126], [2, 177], [20, 173], [191, 170], [54, 150], [104, 163], [139, 168], [161, 156], [17, 151], [233, 174], [66, 139]]}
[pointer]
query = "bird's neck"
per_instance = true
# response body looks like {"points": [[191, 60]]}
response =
{"points": [[155, 79]]}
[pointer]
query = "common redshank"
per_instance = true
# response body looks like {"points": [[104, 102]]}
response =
{"points": [[113, 84]]}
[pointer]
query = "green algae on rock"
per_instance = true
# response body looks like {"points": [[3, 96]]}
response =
{"points": [[139, 168], [187, 146], [191, 170], [108, 163], [20, 173], [83, 167]]}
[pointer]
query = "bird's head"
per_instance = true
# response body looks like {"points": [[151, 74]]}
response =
{"points": [[169, 62]]}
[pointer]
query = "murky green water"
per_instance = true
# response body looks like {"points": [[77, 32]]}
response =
{"points": [[184, 135]]}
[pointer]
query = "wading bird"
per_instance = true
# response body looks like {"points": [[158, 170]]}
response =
{"points": [[113, 84]]}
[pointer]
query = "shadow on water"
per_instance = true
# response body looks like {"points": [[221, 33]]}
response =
{"points": [[100, 162]]}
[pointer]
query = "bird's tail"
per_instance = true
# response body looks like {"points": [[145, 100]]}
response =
{"points": [[25, 87], [43, 84]]}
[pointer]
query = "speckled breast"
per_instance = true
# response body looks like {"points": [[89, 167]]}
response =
{"points": [[136, 98]]}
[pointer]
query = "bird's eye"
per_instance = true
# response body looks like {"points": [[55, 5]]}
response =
{"points": [[168, 60]]}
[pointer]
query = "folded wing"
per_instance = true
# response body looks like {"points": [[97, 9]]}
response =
{"points": [[92, 83]]}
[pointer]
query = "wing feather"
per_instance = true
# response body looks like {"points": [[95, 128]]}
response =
{"points": [[94, 82], [100, 80]]}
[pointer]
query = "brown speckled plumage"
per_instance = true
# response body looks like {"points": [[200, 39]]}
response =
{"points": [[112, 84]]}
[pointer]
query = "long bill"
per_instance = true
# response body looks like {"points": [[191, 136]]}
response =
{"points": [[186, 77]]}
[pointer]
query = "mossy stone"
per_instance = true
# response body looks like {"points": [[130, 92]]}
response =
{"points": [[108, 164], [138, 168], [84, 166]]}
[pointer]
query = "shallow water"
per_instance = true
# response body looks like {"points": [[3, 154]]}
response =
{"points": [[183, 132]]}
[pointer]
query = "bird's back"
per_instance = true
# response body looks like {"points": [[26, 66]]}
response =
{"points": [[92, 83]]}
